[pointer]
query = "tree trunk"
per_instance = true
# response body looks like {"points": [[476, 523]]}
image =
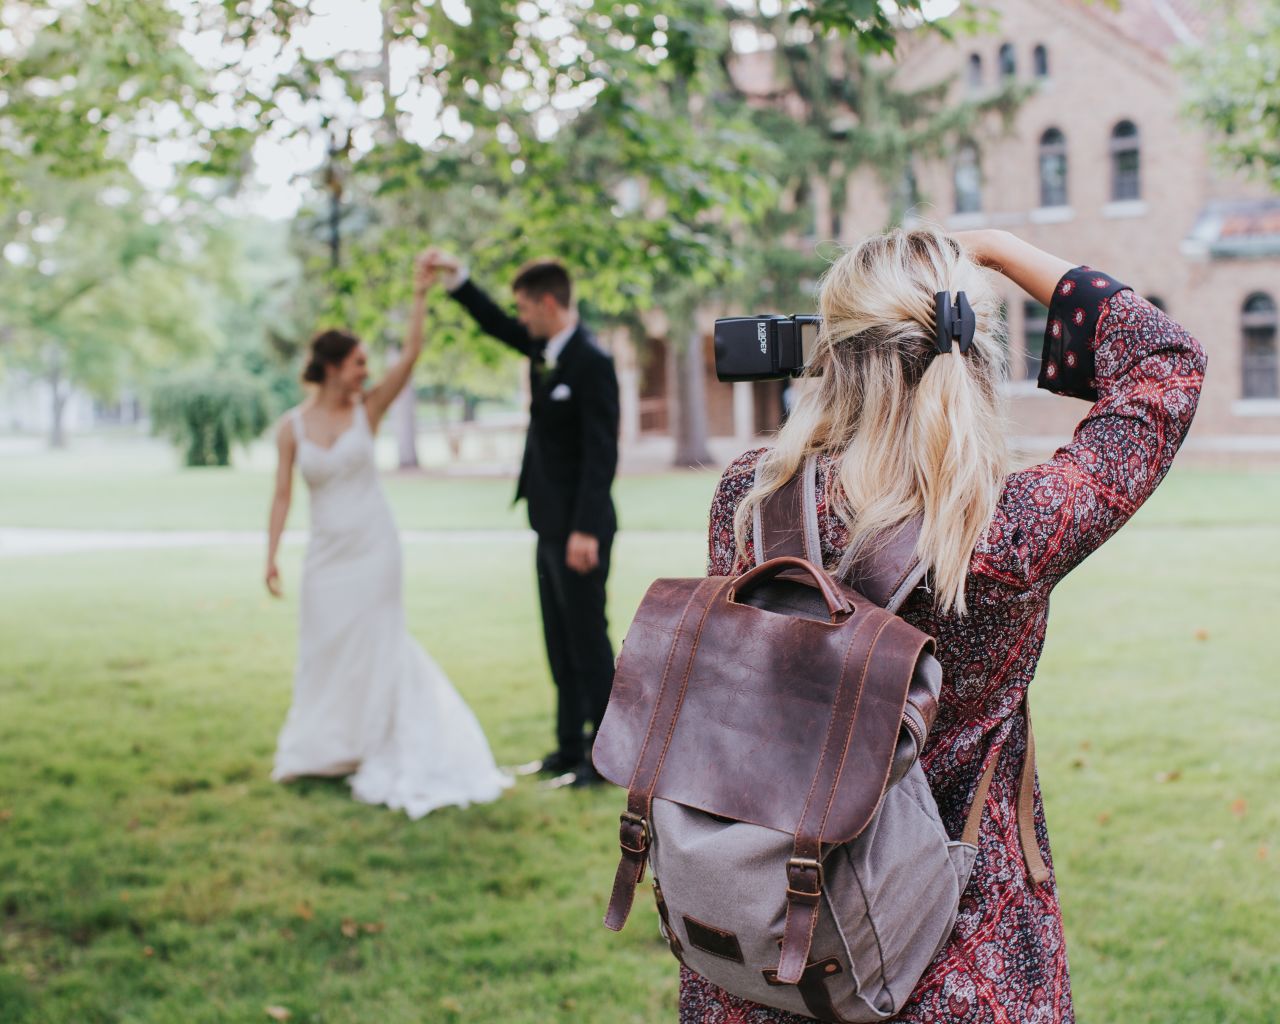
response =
{"points": [[691, 403], [57, 408], [404, 419]]}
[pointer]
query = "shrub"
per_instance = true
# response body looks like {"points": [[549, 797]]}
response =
{"points": [[205, 412]]}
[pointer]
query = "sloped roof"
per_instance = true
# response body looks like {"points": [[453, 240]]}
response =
{"points": [[1238, 227]]}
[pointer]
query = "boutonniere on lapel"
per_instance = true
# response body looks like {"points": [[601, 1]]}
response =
{"points": [[560, 393]]}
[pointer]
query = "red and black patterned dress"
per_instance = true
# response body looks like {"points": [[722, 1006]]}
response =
{"points": [[1005, 963]]}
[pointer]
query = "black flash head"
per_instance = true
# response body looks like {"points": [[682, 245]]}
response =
{"points": [[768, 347], [775, 347]]}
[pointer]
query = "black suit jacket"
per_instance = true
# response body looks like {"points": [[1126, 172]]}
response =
{"points": [[571, 451]]}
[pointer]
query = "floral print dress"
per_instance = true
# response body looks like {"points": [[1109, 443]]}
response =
{"points": [[1006, 962]]}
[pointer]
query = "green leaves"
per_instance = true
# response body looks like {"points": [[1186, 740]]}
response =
{"points": [[1233, 88], [206, 412]]}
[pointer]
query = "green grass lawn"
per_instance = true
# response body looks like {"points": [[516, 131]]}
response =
{"points": [[139, 485], [151, 872]]}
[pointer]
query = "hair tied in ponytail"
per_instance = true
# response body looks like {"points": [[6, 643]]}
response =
{"points": [[954, 323]]}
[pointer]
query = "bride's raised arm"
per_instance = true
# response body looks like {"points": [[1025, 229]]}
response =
{"points": [[381, 395]]}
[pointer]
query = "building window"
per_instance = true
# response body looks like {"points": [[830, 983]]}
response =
{"points": [[975, 72], [1040, 61], [1126, 182], [1053, 168], [1035, 318], [1008, 62], [1260, 364], [968, 179]]}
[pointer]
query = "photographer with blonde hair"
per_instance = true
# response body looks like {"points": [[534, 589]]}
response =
{"points": [[902, 431]]}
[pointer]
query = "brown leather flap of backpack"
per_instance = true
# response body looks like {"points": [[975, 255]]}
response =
{"points": [[760, 705]]}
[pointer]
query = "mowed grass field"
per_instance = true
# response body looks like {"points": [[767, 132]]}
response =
{"points": [[151, 872]]}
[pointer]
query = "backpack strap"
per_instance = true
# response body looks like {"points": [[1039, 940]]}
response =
{"points": [[1037, 870], [786, 523]]}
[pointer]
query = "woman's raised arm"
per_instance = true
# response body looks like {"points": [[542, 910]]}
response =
{"points": [[382, 394], [1142, 372]]}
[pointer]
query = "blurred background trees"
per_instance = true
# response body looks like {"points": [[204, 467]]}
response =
{"points": [[617, 136]]}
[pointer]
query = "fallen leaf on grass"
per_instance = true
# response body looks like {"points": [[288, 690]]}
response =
{"points": [[148, 951], [1263, 853], [349, 928], [373, 927], [450, 1005], [1240, 807], [304, 911], [279, 1013], [1104, 818], [125, 897], [1172, 776], [1202, 635], [132, 825], [6, 814]]}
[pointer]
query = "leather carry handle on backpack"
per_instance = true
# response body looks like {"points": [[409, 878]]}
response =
{"points": [[837, 603]]}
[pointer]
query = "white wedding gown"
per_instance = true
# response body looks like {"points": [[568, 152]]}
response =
{"points": [[367, 699]]}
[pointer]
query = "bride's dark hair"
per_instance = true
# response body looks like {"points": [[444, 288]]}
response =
{"points": [[328, 348]]}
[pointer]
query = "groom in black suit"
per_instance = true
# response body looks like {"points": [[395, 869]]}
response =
{"points": [[570, 457]]}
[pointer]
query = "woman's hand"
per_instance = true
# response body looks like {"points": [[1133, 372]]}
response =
{"points": [[1033, 270], [985, 245], [274, 587]]}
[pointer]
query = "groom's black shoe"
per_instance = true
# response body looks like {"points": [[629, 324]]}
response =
{"points": [[555, 763], [582, 776], [586, 775]]}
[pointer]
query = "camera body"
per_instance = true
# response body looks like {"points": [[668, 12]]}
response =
{"points": [[767, 347]]}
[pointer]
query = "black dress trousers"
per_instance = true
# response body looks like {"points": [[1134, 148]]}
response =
{"points": [[577, 638]]}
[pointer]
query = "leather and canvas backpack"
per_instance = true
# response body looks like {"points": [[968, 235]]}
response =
{"points": [[767, 729]]}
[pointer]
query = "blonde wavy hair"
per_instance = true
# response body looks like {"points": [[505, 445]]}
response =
{"points": [[909, 430]]}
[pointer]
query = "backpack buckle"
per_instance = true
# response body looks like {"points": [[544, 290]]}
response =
{"points": [[803, 872], [633, 833]]}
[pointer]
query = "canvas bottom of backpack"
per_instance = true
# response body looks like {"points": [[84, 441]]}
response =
{"points": [[875, 935]]}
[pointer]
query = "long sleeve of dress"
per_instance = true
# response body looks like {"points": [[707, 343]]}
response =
{"points": [[1144, 373]]}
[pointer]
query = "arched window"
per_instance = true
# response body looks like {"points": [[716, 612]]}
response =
{"points": [[1008, 61], [968, 179], [1053, 168], [1261, 367], [975, 72], [1040, 61], [1126, 164]]}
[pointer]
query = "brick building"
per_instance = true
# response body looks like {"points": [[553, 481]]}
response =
{"points": [[1100, 168]]}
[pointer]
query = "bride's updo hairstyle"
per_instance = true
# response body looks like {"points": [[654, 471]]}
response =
{"points": [[910, 430], [328, 348]]}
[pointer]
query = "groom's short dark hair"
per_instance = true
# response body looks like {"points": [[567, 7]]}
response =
{"points": [[545, 277]]}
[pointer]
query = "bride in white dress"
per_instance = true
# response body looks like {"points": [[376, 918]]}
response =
{"points": [[368, 701]]}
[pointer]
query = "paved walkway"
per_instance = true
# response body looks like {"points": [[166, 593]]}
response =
{"points": [[16, 542]]}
